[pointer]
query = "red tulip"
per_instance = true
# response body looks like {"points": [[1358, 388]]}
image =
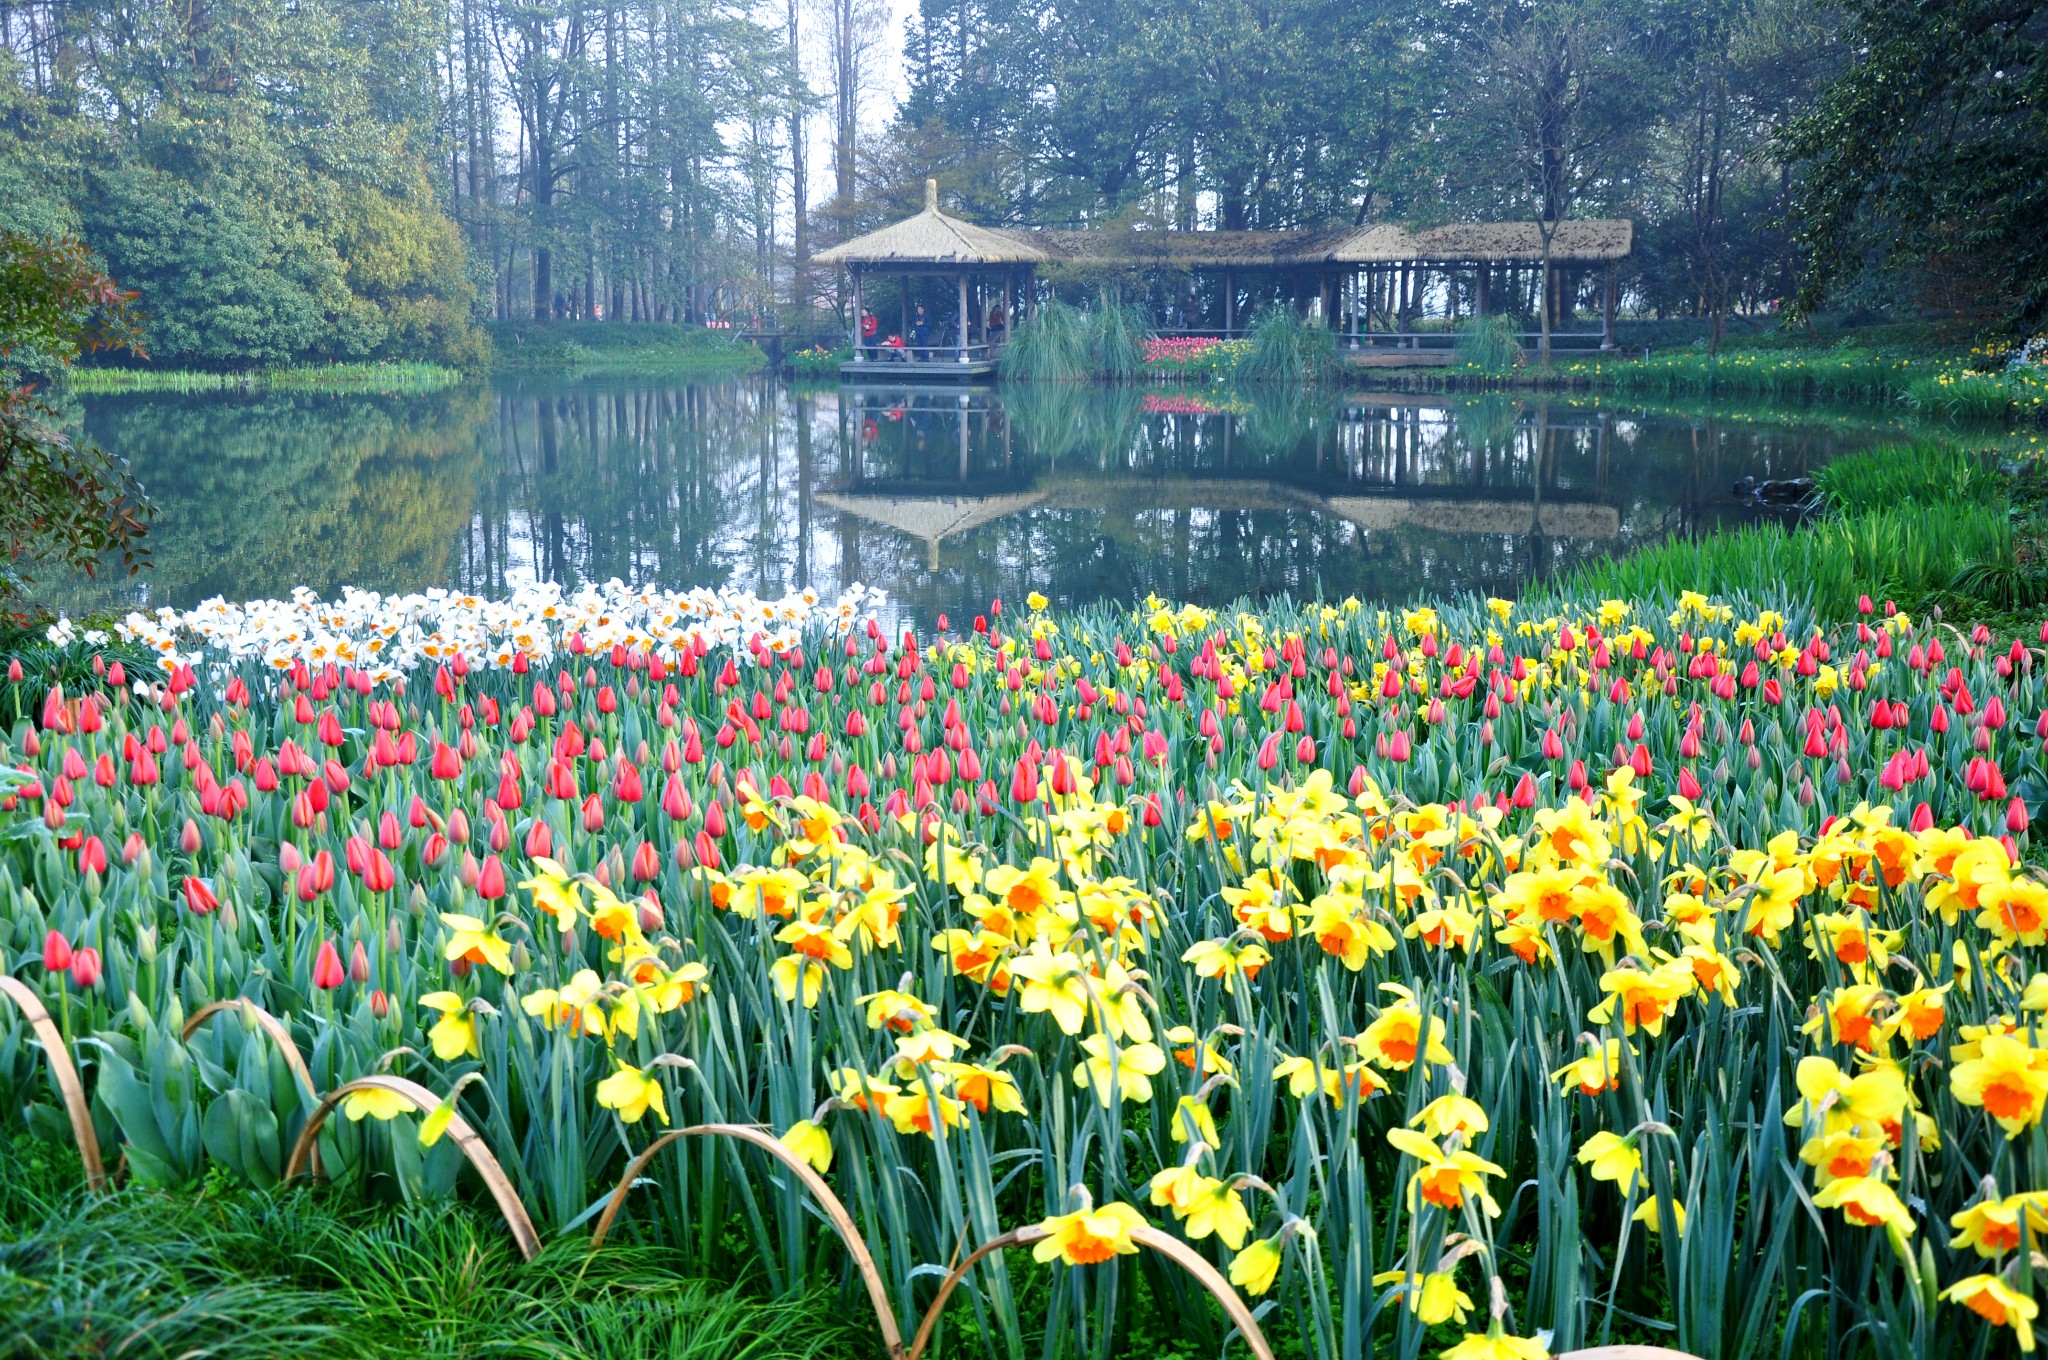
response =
{"points": [[490, 883], [446, 763], [359, 964], [1024, 781], [327, 970], [85, 968], [2016, 817], [56, 952], [199, 897]]}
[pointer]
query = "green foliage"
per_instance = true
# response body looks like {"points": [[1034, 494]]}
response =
{"points": [[1117, 332], [400, 376], [589, 347], [1285, 348], [1931, 149], [1488, 344], [250, 181], [1915, 523], [1049, 345], [228, 1272], [1927, 472], [62, 503], [819, 362]]}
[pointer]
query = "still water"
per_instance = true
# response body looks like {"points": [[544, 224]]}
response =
{"points": [[946, 498]]}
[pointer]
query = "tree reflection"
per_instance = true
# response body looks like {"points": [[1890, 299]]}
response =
{"points": [[946, 497]]}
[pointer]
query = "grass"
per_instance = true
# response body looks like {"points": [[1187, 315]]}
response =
{"points": [[1050, 345], [366, 377], [1117, 333], [1488, 345], [617, 347], [1924, 524], [228, 1272], [1285, 348]]}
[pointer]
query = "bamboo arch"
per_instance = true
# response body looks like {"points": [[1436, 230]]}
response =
{"points": [[842, 1222], [64, 1074], [473, 1147], [1167, 1245]]}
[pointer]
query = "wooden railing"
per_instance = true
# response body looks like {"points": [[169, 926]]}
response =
{"points": [[928, 356]]}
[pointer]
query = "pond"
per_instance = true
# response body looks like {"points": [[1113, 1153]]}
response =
{"points": [[944, 497]]}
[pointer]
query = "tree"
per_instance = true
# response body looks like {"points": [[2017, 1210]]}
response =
{"points": [[1928, 158], [1555, 115], [64, 502]]}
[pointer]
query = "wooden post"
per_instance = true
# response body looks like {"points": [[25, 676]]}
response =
{"points": [[1009, 308], [1607, 308], [1229, 303], [1482, 277], [905, 331], [857, 313], [962, 337]]}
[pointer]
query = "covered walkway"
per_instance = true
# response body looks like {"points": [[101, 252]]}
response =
{"points": [[962, 289]]}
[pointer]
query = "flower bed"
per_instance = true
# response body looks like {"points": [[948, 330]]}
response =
{"points": [[1193, 358], [1453, 976]]}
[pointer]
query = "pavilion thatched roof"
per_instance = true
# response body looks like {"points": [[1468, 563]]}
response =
{"points": [[932, 237], [1191, 249], [1580, 241]]}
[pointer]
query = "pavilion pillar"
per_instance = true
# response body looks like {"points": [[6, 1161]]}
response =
{"points": [[962, 334], [1229, 303], [1607, 308], [858, 313], [1481, 277], [904, 330]]}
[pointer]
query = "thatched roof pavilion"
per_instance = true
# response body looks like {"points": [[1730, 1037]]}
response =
{"points": [[932, 240], [1385, 273]]}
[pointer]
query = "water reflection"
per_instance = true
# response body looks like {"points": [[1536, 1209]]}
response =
{"points": [[945, 497]]}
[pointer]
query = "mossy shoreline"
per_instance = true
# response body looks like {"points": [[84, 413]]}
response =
{"points": [[526, 349]]}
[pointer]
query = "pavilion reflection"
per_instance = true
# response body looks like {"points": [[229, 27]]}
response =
{"points": [[938, 465]]}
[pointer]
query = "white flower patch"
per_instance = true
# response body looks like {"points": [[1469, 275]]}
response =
{"points": [[388, 634]]}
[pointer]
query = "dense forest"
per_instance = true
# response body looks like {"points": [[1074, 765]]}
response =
{"points": [[294, 180]]}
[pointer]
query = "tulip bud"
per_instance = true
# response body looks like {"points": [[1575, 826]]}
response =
{"points": [[85, 968], [56, 952], [359, 964], [327, 969]]}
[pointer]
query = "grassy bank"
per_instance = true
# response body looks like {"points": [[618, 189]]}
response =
{"points": [[1926, 524], [604, 347], [392, 377], [1922, 369], [226, 1271]]}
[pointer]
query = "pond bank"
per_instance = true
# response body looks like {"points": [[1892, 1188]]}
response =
{"points": [[530, 349]]}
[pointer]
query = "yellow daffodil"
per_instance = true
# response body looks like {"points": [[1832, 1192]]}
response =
{"points": [[1089, 1236], [632, 1093]]}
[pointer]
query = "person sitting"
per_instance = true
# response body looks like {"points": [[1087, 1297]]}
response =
{"points": [[892, 349], [997, 324]]}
